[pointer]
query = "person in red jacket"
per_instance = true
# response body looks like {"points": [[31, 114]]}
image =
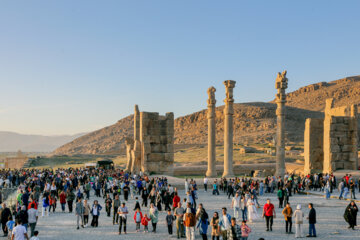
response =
{"points": [[62, 197], [138, 218], [176, 201], [269, 214], [145, 222]]}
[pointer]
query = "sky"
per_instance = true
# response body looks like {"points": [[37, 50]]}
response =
{"points": [[69, 66]]}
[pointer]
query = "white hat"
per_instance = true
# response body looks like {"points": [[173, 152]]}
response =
{"points": [[298, 207]]}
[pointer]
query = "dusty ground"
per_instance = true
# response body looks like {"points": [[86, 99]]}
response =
{"points": [[330, 225]]}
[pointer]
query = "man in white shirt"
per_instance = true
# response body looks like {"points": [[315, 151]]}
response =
{"points": [[19, 232], [235, 203], [205, 183], [32, 218], [123, 212]]}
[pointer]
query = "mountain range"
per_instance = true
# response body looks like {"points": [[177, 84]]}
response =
{"points": [[253, 122]]}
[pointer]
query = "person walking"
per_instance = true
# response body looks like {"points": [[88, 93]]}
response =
{"points": [[179, 214], [280, 195], [215, 227], [116, 206], [62, 197], [79, 212], [251, 209], [350, 214], [312, 221], [32, 218], [108, 204], [154, 216], [234, 232], [87, 210], [288, 212], [137, 219], [225, 223], [235, 204], [145, 222], [190, 222], [341, 189], [123, 212], [245, 231], [205, 183], [299, 221], [352, 189], [70, 197], [5, 214], [95, 212], [269, 214], [169, 222], [19, 232]]}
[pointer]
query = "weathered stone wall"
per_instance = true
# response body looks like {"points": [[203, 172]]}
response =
{"points": [[313, 145], [157, 142], [340, 138]]}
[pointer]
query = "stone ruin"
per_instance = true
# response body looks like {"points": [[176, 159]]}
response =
{"points": [[152, 148], [330, 144]]}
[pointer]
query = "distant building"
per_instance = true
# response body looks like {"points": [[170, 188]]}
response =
{"points": [[16, 162]]}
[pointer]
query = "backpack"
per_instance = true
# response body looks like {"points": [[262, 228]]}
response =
{"points": [[189, 220]]}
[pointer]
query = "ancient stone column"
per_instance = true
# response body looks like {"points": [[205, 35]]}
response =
{"points": [[280, 84], [129, 142], [228, 128], [136, 152], [211, 171]]}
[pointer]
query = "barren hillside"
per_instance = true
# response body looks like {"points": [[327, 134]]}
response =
{"points": [[312, 97], [253, 122]]}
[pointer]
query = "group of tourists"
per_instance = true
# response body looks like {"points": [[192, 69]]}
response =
{"points": [[112, 189]]}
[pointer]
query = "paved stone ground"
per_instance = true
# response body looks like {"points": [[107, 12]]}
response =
{"points": [[331, 224]]}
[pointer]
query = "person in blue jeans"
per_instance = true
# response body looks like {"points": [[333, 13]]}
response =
{"points": [[312, 221]]}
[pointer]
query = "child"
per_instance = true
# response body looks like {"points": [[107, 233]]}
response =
{"points": [[137, 204], [10, 226], [145, 222], [52, 202], [35, 237], [245, 231], [169, 221], [138, 218]]}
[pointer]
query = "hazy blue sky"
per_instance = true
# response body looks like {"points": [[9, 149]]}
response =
{"points": [[74, 66]]}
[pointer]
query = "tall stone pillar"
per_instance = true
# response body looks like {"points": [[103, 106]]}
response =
{"points": [[228, 129], [280, 85], [211, 171], [136, 152]]}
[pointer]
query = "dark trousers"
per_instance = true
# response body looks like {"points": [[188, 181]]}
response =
{"points": [[205, 187], [108, 210], [115, 215], [215, 237], [281, 201], [204, 236], [87, 194], [288, 224], [63, 206], [70, 205], [312, 230], [32, 228], [269, 222], [154, 227], [170, 229], [144, 202], [95, 221], [86, 219], [122, 223], [4, 228], [137, 225]]}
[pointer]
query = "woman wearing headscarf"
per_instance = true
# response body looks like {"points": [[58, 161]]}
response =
{"points": [[215, 228], [299, 221], [153, 214], [351, 214]]}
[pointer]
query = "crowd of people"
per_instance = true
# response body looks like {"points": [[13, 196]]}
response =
{"points": [[73, 188]]}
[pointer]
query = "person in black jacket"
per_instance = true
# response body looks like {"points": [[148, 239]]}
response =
{"points": [[4, 218], [351, 214], [312, 221]]}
